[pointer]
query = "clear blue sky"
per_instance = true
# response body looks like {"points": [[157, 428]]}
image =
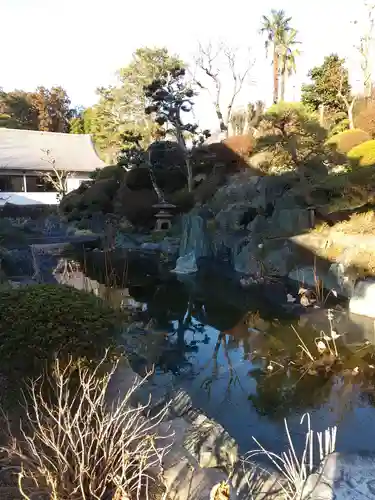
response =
{"points": [[79, 44]]}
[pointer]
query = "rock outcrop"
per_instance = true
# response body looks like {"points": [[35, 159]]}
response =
{"points": [[247, 224], [195, 243], [362, 301]]}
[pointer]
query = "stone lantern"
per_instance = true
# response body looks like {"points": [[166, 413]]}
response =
{"points": [[164, 215]]}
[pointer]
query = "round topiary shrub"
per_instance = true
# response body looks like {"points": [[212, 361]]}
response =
{"points": [[39, 322], [347, 140], [363, 155]]}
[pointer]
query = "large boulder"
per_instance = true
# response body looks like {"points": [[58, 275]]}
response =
{"points": [[195, 243], [290, 222], [278, 261], [253, 258], [362, 301], [210, 444], [247, 258], [240, 188], [235, 216], [310, 277]]}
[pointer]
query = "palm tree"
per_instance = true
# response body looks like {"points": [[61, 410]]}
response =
{"points": [[288, 54], [274, 27]]}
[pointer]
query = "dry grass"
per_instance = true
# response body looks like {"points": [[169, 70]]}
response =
{"points": [[363, 223], [333, 252], [294, 470], [75, 446]]}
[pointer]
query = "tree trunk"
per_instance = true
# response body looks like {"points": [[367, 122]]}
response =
{"points": [[283, 81], [275, 75], [157, 190], [321, 115], [189, 170], [350, 114], [223, 127], [189, 173], [282, 91]]}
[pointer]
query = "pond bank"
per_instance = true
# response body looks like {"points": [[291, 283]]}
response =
{"points": [[203, 455]]}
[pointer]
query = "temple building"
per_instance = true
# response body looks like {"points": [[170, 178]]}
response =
{"points": [[26, 156]]}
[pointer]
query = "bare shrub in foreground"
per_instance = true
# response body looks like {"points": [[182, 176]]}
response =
{"points": [[293, 470], [76, 446]]}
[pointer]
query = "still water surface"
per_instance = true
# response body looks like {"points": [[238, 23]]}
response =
{"points": [[245, 368]]}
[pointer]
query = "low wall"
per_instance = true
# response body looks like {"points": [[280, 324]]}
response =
{"points": [[28, 198]]}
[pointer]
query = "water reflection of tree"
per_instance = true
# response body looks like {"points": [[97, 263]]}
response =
{"points": [[177, 350], [226, 343], [175, 318], [292, 384], [284, 392], [290, 381]]}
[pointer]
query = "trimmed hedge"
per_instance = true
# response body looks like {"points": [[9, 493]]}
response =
{"points": [[363, 155], [347, 140], [39, 321]]}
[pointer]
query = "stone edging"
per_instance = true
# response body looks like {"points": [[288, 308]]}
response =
{"points": [[203, 454]]}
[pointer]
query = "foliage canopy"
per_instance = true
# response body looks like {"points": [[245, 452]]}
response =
{"points": [[121, 108], [326, 82], [294, 138], [45, 109]]}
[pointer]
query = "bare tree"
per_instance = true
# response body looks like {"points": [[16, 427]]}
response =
{"points": [[238, 121], [247, 120], [214, 61], [58, 178], [349, 102], [365, 48]]}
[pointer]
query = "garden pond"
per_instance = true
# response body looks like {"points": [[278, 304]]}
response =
{"points": [[243, 360], [246, 363]]}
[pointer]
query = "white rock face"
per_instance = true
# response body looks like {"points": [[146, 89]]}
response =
{"points": [[344, 277], [362, 301], [186, 264], [342, 477]]}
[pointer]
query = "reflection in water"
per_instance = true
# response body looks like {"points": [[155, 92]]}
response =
{"points": [[249, 371]]}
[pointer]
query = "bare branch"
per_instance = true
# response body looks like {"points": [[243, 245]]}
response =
{"points": [[237, 76], [365, 48], [59, 179], [214, 60], [349, 105], [77, 446]]}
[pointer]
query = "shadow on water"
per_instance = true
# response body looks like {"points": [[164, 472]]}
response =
{"points": [[242, 363]]}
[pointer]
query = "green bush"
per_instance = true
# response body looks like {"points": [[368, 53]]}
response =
{"points": [[347, 140], [339, 127], [291, 136], [111, 172], [37, 322], [363, 155]]}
